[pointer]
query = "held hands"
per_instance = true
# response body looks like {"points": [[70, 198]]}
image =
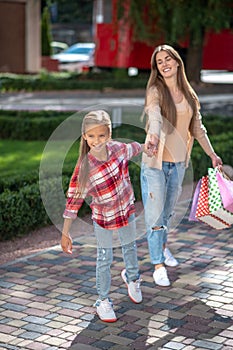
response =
{"points": [[66, 243], [151, 146]]}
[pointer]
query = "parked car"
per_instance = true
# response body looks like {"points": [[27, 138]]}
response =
{"points": [[58, 46], [76, 58]]}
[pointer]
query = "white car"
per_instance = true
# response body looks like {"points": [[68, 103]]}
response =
{"points": [[76, 58], [58, 46]]}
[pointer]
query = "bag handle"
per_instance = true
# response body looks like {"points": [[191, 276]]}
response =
{"points": [[224, 174]]}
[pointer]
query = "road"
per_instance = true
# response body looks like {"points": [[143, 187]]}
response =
{"points": [[78, 100], [215, 97]]}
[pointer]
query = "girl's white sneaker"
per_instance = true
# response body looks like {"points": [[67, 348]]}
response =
{"points": [[104, 309], [134, 289]]}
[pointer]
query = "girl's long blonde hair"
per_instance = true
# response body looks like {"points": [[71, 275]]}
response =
{"points": [[167, 105], [93, 118]]}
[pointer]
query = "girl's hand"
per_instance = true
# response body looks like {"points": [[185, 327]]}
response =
{"points": [[152, 149], [66, 243]]}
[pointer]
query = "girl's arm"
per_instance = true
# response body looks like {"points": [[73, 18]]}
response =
{"points": [[66, 240]]}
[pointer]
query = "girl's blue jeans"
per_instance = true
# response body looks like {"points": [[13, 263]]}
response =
{"points": [[105, 255], [160, 191]]}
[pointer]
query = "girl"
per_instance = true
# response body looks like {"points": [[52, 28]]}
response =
{"points": [[173, 121], [102, 173]]}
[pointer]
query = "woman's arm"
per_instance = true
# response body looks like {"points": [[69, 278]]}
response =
{"points": [[154, 122], [200, 134], [216, 160], [153, 111]]}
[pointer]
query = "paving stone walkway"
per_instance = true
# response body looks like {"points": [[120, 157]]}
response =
{"points": [[46, 299]]}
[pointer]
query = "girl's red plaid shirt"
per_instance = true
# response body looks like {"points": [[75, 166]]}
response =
{"points": [[109, 186]]}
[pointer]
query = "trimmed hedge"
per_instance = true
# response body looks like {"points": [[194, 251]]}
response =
{"points": [[23, 211], [23, 125], [117, 79], [28, 128]]}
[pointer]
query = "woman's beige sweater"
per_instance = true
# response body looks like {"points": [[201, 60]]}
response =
{"points": [[177, 146]]}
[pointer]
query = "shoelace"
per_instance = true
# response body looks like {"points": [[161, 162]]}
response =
{"points": [[107, 306], [137, 284], [162, 274]]}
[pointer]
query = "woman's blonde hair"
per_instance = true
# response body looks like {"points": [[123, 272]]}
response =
{"points": [[92, 119], [167, 105]]}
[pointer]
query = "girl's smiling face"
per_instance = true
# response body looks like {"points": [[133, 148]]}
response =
{"points": [[96, 137], [167, 66]]}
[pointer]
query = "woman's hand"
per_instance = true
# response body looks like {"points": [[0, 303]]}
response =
{"points": [[216, 161], [152, 145], [66, 243]]}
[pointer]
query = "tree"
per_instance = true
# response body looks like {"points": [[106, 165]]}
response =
{"points": [[176, 21], [46, 36]]}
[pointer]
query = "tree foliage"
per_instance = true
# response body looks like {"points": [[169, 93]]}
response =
{"points": [[46, 36], [175, 20], [193, 18]]}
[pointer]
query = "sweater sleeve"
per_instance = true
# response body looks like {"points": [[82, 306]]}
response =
{"points": [[152, 109], [73, 202], [200, 134]]}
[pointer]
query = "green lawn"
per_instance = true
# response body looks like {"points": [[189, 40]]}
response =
{"points": [[20, 157]]}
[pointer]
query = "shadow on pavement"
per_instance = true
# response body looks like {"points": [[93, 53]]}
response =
{"points": [[194, 320]]}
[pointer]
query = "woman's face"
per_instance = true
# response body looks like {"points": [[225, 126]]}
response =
{"points": [[166, 65]]}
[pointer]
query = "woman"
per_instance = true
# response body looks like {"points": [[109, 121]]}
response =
{"points": [[173, 121]]}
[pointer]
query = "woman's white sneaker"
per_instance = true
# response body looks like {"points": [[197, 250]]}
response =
{"points": [[169, 258], [104, 309], [160, 277], [134, 290]]}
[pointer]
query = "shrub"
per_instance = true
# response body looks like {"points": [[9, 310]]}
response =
{"points": [[69, 81], [23, 210], [28, 128]]}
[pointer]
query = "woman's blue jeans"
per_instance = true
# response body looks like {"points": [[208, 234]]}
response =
{"points": [[105, 255], [160, 191]]}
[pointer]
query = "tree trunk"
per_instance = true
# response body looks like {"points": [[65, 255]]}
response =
{"points": [[194, 63]]}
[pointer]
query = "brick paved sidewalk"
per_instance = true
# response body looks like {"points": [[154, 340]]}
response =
{"points": [[46, 299]]}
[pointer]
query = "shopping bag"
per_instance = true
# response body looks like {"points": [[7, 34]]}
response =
{"points": [[226, 191], [203, 213], [192, 215], [215, 201]]}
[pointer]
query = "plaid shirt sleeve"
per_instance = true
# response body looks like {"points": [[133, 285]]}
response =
{"points": [[73, 202], [133, 149]]}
